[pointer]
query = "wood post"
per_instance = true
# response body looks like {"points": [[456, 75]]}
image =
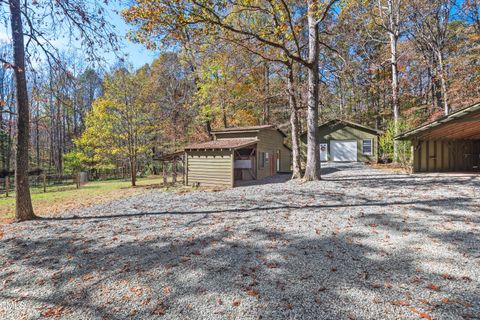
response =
{"points": [[174, 170], [44, 183], [184, 164], [164, 168]]}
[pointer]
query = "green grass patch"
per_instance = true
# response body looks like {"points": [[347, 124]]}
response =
{"points": [[61, 198]]}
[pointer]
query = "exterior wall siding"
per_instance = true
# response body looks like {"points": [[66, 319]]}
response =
{"points": [[445, 156], [271, 141], [216, 167], [210, 168], [344, 132]]}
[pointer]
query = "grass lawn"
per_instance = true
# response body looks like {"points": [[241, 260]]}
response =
{"points": [[58, 199]]}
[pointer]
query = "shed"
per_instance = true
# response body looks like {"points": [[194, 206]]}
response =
{"points": [[345, 141], [450, 143], [237, 154]]}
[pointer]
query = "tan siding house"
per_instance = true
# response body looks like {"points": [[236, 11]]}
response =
{"points": [[237, 154]]}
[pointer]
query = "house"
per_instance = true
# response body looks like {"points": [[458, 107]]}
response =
{"points": [[237, 154], [451, 143], [344, 141]]}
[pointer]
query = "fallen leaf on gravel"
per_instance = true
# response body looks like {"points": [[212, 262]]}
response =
{"points": [[87, 277], [166, 290], [400, 303], [424, 301], [236, 302], [219, 301], [447, 276], [467, 315], [364, 275], [184, 259], [465, 304], [53, 312], [159, 311], [317, 231], [253, 292], [421, 314], [433, 287], [137, 291]]}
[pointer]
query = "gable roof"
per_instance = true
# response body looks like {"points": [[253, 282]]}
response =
{"points": [[335, 122], [223, 144], [461, 124], [246, 129]]}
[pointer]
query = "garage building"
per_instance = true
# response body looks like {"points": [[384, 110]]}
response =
{"points": [[449, 144], [344, 141], [237, 154]]}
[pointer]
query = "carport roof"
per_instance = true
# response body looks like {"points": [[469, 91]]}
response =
{"points": [[223, 144], [463, 124]]}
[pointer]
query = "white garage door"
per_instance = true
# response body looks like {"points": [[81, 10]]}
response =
{"points": [[343, 150]]}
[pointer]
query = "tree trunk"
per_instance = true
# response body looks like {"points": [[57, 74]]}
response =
{"points": [[24, 209], [443, 83], [133, 172], [296, 164], [393, 60], [312, 170], [266, 108]]}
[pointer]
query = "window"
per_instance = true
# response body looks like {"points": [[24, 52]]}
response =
{"points": [[367, 147]]}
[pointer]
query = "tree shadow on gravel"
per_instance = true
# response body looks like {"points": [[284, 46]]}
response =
{"points": [[274, 205], [133, 270]]}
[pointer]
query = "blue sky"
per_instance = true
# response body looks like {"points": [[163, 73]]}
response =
{"points": [[137, 55]]}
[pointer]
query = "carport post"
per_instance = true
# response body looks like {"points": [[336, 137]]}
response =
{"points": [[174, 170]]}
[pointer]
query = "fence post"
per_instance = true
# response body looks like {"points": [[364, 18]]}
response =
{"points": [[7, 186], [44, 183]]}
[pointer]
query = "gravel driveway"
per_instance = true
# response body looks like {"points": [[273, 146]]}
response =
{"points": [[361, 244]]}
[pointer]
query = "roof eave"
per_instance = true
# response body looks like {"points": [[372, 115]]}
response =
{"points": [[412, 134]]}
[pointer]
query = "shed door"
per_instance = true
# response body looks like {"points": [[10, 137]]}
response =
{"points": [[343, 150]]}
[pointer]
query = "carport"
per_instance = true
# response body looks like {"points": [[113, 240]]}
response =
{"points": [[449, 144]]}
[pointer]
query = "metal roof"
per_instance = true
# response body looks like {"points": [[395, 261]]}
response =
{"points": [[223, 144], [463, 124], [246, 129], [346, 123]]}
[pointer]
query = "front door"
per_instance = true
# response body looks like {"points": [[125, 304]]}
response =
{"points": [[323, 152]]}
